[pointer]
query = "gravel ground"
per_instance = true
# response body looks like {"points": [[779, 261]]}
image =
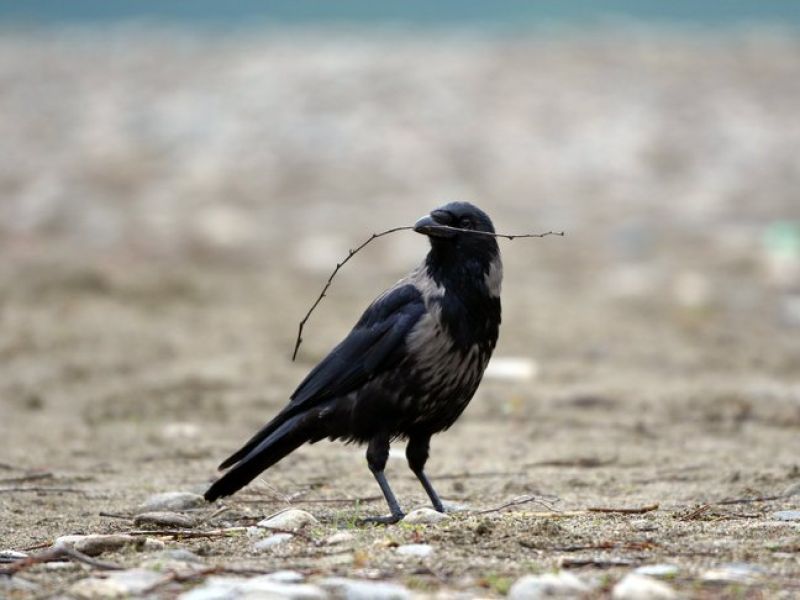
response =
{"points": [[170, 204]]}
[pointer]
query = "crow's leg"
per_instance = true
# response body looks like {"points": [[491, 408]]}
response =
{"points": [[417, 455], [377, 455]]}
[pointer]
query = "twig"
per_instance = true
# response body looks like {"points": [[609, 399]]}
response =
{"points": [[186, 533], [111, 515], [43, 490], [588, 462], [56, 553], [751, 500], [626, 511], [26, 478], [517, 502], [696, 512], [339, 265], [603, 563], [352, 252]]}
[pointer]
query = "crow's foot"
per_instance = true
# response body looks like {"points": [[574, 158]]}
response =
{"points": [[384, 520]]}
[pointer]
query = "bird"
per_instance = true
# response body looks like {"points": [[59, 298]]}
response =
{"points": [[407, 369]]}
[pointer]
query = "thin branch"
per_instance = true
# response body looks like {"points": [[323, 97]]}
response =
{"points": [[625, 511], [43, 490], [57, 553], [517, 502], [339, 265], [352, 252]]}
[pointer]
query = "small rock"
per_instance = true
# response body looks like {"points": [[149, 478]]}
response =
{"points": [[549, 585], [643, 525], [285, 576], [357, 589], [641, 587], [11, 555], [266, 587], [171, 501], [272, 541], [93, 545], [291, 520], [178, 559], [117, 584], [151, 545], [657, 570], [787, 515], [734, 573], [232, 588], [423, 516], [455, 507], [340, 537], [420, 550], [157, 519]]}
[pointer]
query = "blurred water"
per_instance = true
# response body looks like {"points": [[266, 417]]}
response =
{"points": [[510, 14]]}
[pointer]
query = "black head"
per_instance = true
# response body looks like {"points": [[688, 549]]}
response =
{"points": [[460, 215]]}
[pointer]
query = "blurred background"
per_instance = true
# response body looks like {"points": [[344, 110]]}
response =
{"points": [[177, 179]]}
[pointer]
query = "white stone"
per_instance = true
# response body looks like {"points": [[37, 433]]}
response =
{"points": [[420, 550], [290, 520], [340, 537], [657, 570], [171, 501], [117, 584], [285, 576], [787, 515], [274, 540], [11, 555], [550, 585], [643, 525], [163, 518], [734, 573], [358, 589], [511, 368], [641, 587], [424, 516], [261, 587]]}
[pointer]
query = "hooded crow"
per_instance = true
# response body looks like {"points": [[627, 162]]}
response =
{"points": [[408, 368]]}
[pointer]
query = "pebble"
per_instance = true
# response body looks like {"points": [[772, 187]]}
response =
{"points": [[171, 501], [11, 555], [787, 515], [272, 541], [550, 585], [657, 570], [455, 507], [285, 576], [233, 588], [734, 573], [163, 519], [340, 537], [511, 368], [116, 584], [640, 587], [93, 545], [420, 550], [424, 516], [359, 589], [291, 520], [643, 525], [177, 559]]}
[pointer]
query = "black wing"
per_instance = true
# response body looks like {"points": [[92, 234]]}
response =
{"points": [[375, 344]]}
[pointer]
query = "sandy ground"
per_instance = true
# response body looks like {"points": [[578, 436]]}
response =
{"points": [[149, 299]]}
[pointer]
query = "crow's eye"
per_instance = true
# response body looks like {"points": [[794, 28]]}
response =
{"points": [[465, 223]]}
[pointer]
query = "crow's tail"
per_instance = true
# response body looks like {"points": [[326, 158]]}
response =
{"points": [[268, 446]]}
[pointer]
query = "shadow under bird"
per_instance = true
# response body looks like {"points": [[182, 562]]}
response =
{"points": [[408, 368]]}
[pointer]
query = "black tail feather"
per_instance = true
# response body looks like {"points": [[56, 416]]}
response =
{"points": [[255, 457]]}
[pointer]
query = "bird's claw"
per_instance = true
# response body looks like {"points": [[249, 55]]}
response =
{"points": [[384, 520]]}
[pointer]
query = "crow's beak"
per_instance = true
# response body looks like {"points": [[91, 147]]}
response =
{"points": [[427, 225]]}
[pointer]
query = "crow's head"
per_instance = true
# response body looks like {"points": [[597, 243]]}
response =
{"points": [[440, 227]]}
